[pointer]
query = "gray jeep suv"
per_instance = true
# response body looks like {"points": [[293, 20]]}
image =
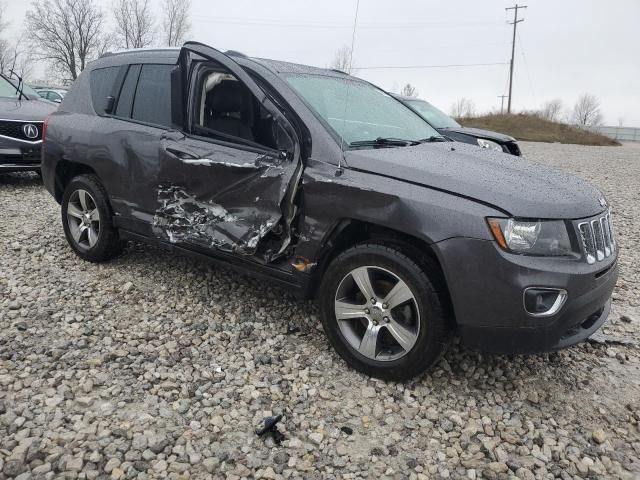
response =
{"points": [[326, 185]]}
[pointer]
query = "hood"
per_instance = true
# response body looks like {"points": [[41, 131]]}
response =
{"points": [[522, 188], [479, 133], [34, 110]]}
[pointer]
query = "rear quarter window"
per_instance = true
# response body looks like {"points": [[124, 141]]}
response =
{"points": [[103, 82]]}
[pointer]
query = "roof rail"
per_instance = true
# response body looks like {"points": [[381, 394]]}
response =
{"points": [[234, 53]]}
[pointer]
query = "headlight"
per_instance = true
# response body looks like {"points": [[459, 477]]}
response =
{"points": [[490, 145], [532, 237]]}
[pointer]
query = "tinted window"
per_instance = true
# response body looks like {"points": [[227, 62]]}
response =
{"points": [[128, 91], [102, 85], [152, 102]]}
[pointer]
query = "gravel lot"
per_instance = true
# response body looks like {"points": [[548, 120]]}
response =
{"points": [[159, 366]]}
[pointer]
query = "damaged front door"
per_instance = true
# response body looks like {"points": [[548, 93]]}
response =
{"points": [[228, 181]]}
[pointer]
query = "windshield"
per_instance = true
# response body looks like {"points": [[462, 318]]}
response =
{"points": [[371, 114], [8, 88], [431, 114]]}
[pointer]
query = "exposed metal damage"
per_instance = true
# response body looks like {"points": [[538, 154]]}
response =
{"points": [[200, 214], [181, 218]]}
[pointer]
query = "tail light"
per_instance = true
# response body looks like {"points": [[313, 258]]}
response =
{"points": [[44, 127]]}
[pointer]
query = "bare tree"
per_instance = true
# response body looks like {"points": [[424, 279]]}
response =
{"points": [[14, 58], [5, 48], [66, 33], [176, 23], [587, 111], [463, 108], [342, 60], [409, 91], [7, 56], [134, 23], [551, 110]]}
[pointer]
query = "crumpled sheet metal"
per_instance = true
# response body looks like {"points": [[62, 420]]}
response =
{"points": [[181, 218]]}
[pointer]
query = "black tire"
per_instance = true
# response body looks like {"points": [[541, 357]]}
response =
{"points": [[432, 337], [108, 243]]}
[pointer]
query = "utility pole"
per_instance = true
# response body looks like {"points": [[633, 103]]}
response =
{"points": [[502, 97], [515, 23]]}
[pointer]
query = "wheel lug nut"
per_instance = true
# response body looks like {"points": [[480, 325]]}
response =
{"points": [[386, 319], [373, 300], [384, 305], [366, 310]]}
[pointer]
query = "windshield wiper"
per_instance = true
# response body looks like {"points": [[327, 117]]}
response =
{"points": [[19, 87], [434, 138], [385, 142]]}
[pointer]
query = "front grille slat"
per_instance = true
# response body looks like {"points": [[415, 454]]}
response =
{"points": [[14, 129], [605, 235], [597, 238]]}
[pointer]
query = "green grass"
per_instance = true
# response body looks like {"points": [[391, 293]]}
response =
{"points": [[532, 128]]}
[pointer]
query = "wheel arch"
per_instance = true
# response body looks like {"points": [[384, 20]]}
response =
{"points": [[65, 172], [350, 232]]}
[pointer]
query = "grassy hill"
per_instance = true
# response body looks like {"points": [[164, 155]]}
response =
{"points": [[535, 129]]}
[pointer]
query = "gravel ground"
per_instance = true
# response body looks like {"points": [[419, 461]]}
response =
{"points": [[159, 366]]}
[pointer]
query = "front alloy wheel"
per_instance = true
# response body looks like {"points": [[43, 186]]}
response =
{"points": [[381, 312], [377, 313]]}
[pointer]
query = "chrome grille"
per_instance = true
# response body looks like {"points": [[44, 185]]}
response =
{"points": [[14, 129], [597, 238]]}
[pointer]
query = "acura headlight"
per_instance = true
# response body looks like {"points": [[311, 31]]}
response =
{"points": [[490, 145], [532, 237]]}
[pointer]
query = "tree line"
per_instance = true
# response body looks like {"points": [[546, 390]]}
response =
{"points": [[68, 34], [585, 112]]}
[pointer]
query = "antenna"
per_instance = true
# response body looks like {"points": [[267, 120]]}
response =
{"points": [[346, 100]]}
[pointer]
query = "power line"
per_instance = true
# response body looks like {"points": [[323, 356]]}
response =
{"points": [[515, 23], [453, 65], [527, 69], [382, 26]]}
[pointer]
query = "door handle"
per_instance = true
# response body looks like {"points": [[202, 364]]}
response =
{"points": [[181, 154]]}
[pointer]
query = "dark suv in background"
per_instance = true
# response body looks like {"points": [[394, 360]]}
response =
{"points": [[22, 114], [322, 183], [450, 128]]}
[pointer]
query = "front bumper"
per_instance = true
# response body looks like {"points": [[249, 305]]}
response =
{"points": [[487, 284], [17, 159]]}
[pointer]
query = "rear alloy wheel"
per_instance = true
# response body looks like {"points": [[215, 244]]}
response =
{"points": [[381, 311], [83, 218], [87, 220]]}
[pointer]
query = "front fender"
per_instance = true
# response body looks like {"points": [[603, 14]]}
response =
{"points": [[426, 214]]}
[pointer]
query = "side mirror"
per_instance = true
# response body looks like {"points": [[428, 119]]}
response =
{"points": [[110, 102], [57, 100]]}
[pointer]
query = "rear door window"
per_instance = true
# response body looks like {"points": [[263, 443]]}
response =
{"points": [[152, 103], [103, 85]]}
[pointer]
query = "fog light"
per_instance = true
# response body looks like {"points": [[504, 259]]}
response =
{"points": [[544, 302]]}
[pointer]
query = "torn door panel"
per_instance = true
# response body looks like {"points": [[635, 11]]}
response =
{"points": [[181, 218], [228, 205]]}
